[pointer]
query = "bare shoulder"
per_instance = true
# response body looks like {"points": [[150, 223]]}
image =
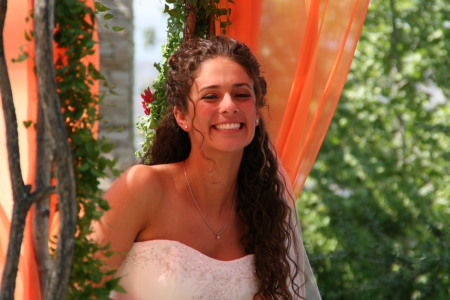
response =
{"points": [[132, 184], [140, 189], [139, 178], [132, 198], [144, 181]]}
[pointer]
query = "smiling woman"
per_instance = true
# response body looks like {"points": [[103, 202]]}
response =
{"points": [[223, 102], [211, 216]]}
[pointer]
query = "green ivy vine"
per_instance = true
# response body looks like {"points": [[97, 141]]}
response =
{"points": [[75, 26], [156, 106]]}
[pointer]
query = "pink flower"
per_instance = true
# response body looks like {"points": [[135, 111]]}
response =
{"points": [[148, 98]]}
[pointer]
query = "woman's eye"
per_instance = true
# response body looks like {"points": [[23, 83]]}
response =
{"points": [[209, 97], [242, 95]]}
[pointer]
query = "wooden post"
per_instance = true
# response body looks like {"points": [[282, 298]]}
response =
{"points": [[191, 19], [58, 278]]}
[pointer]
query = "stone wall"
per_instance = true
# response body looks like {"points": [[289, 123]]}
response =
{"points": [[116, 64]]}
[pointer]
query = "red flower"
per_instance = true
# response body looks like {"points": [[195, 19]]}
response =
{"points": [[148, 98]]}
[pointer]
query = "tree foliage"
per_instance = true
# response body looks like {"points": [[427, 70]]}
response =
{"points": [[376, 206]]}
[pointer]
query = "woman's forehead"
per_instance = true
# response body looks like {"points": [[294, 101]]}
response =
{"points": [[220, 71]]}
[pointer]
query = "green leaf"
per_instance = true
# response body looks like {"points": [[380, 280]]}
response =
{"points": [[27, 123], [28, 36], [120, 289], [176, 13], [99, 7], [104, 205], [107, 147], [23, 56], [117, 28], [77, 139], [78, 113], [83, 167], [222, 12], [108, 16], [97, 173], [116, 173], [89, 44]]}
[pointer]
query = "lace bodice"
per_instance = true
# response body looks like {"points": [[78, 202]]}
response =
{"points": [[163, 270]]}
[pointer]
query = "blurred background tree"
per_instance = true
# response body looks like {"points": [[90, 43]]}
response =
{"points": [[376, 207]]}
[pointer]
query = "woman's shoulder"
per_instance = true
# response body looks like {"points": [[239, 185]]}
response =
{"points": [[141, 176], [145, 175], [140, 181], [134, 198]]}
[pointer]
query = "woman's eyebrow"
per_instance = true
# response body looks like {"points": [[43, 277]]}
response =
{"points": [[209, 87], [242, 84], [236, 85]]}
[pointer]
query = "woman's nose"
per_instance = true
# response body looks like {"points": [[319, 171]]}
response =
{"points": [[227, 104]]}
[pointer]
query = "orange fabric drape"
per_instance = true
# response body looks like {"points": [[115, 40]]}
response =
{"points": [[305, 48], [245, 18], [332, 31], [24, 86]]}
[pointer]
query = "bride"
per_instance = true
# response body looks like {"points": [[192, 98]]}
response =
{"points": [[210, 217]]}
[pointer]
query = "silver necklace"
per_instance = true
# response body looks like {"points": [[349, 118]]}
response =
{"points": [[217, 233]]}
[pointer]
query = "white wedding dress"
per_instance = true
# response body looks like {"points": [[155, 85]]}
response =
{"points": [[170, 270]]}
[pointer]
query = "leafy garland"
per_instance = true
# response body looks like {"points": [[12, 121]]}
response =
{"points": [[75, 26], [155, 104]]}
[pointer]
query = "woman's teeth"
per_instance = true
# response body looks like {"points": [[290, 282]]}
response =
{"points": [[228, 126]]}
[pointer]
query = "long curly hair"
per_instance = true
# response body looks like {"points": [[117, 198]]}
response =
{"points": [[261, 202]]}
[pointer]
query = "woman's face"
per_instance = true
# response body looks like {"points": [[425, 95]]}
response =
{"points": [[225, 108]]}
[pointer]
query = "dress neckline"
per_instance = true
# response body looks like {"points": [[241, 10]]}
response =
{"points": [[193, 250]]}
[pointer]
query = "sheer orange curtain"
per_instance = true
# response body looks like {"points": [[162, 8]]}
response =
{"points": [[24, 88], [330, 38], [305, 48], [246, 18]]}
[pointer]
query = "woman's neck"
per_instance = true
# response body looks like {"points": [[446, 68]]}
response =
{"points": [[213, 179]]}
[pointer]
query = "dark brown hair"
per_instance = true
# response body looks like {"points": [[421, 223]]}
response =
{"points": [[261, 202]]}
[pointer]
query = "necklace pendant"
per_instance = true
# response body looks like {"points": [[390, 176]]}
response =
{"points": [[217, 233]]}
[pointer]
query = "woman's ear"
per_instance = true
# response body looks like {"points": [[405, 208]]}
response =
{"points": [[181, 119]]}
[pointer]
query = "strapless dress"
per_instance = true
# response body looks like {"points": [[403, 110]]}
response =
{"points": [[170, 270]]}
